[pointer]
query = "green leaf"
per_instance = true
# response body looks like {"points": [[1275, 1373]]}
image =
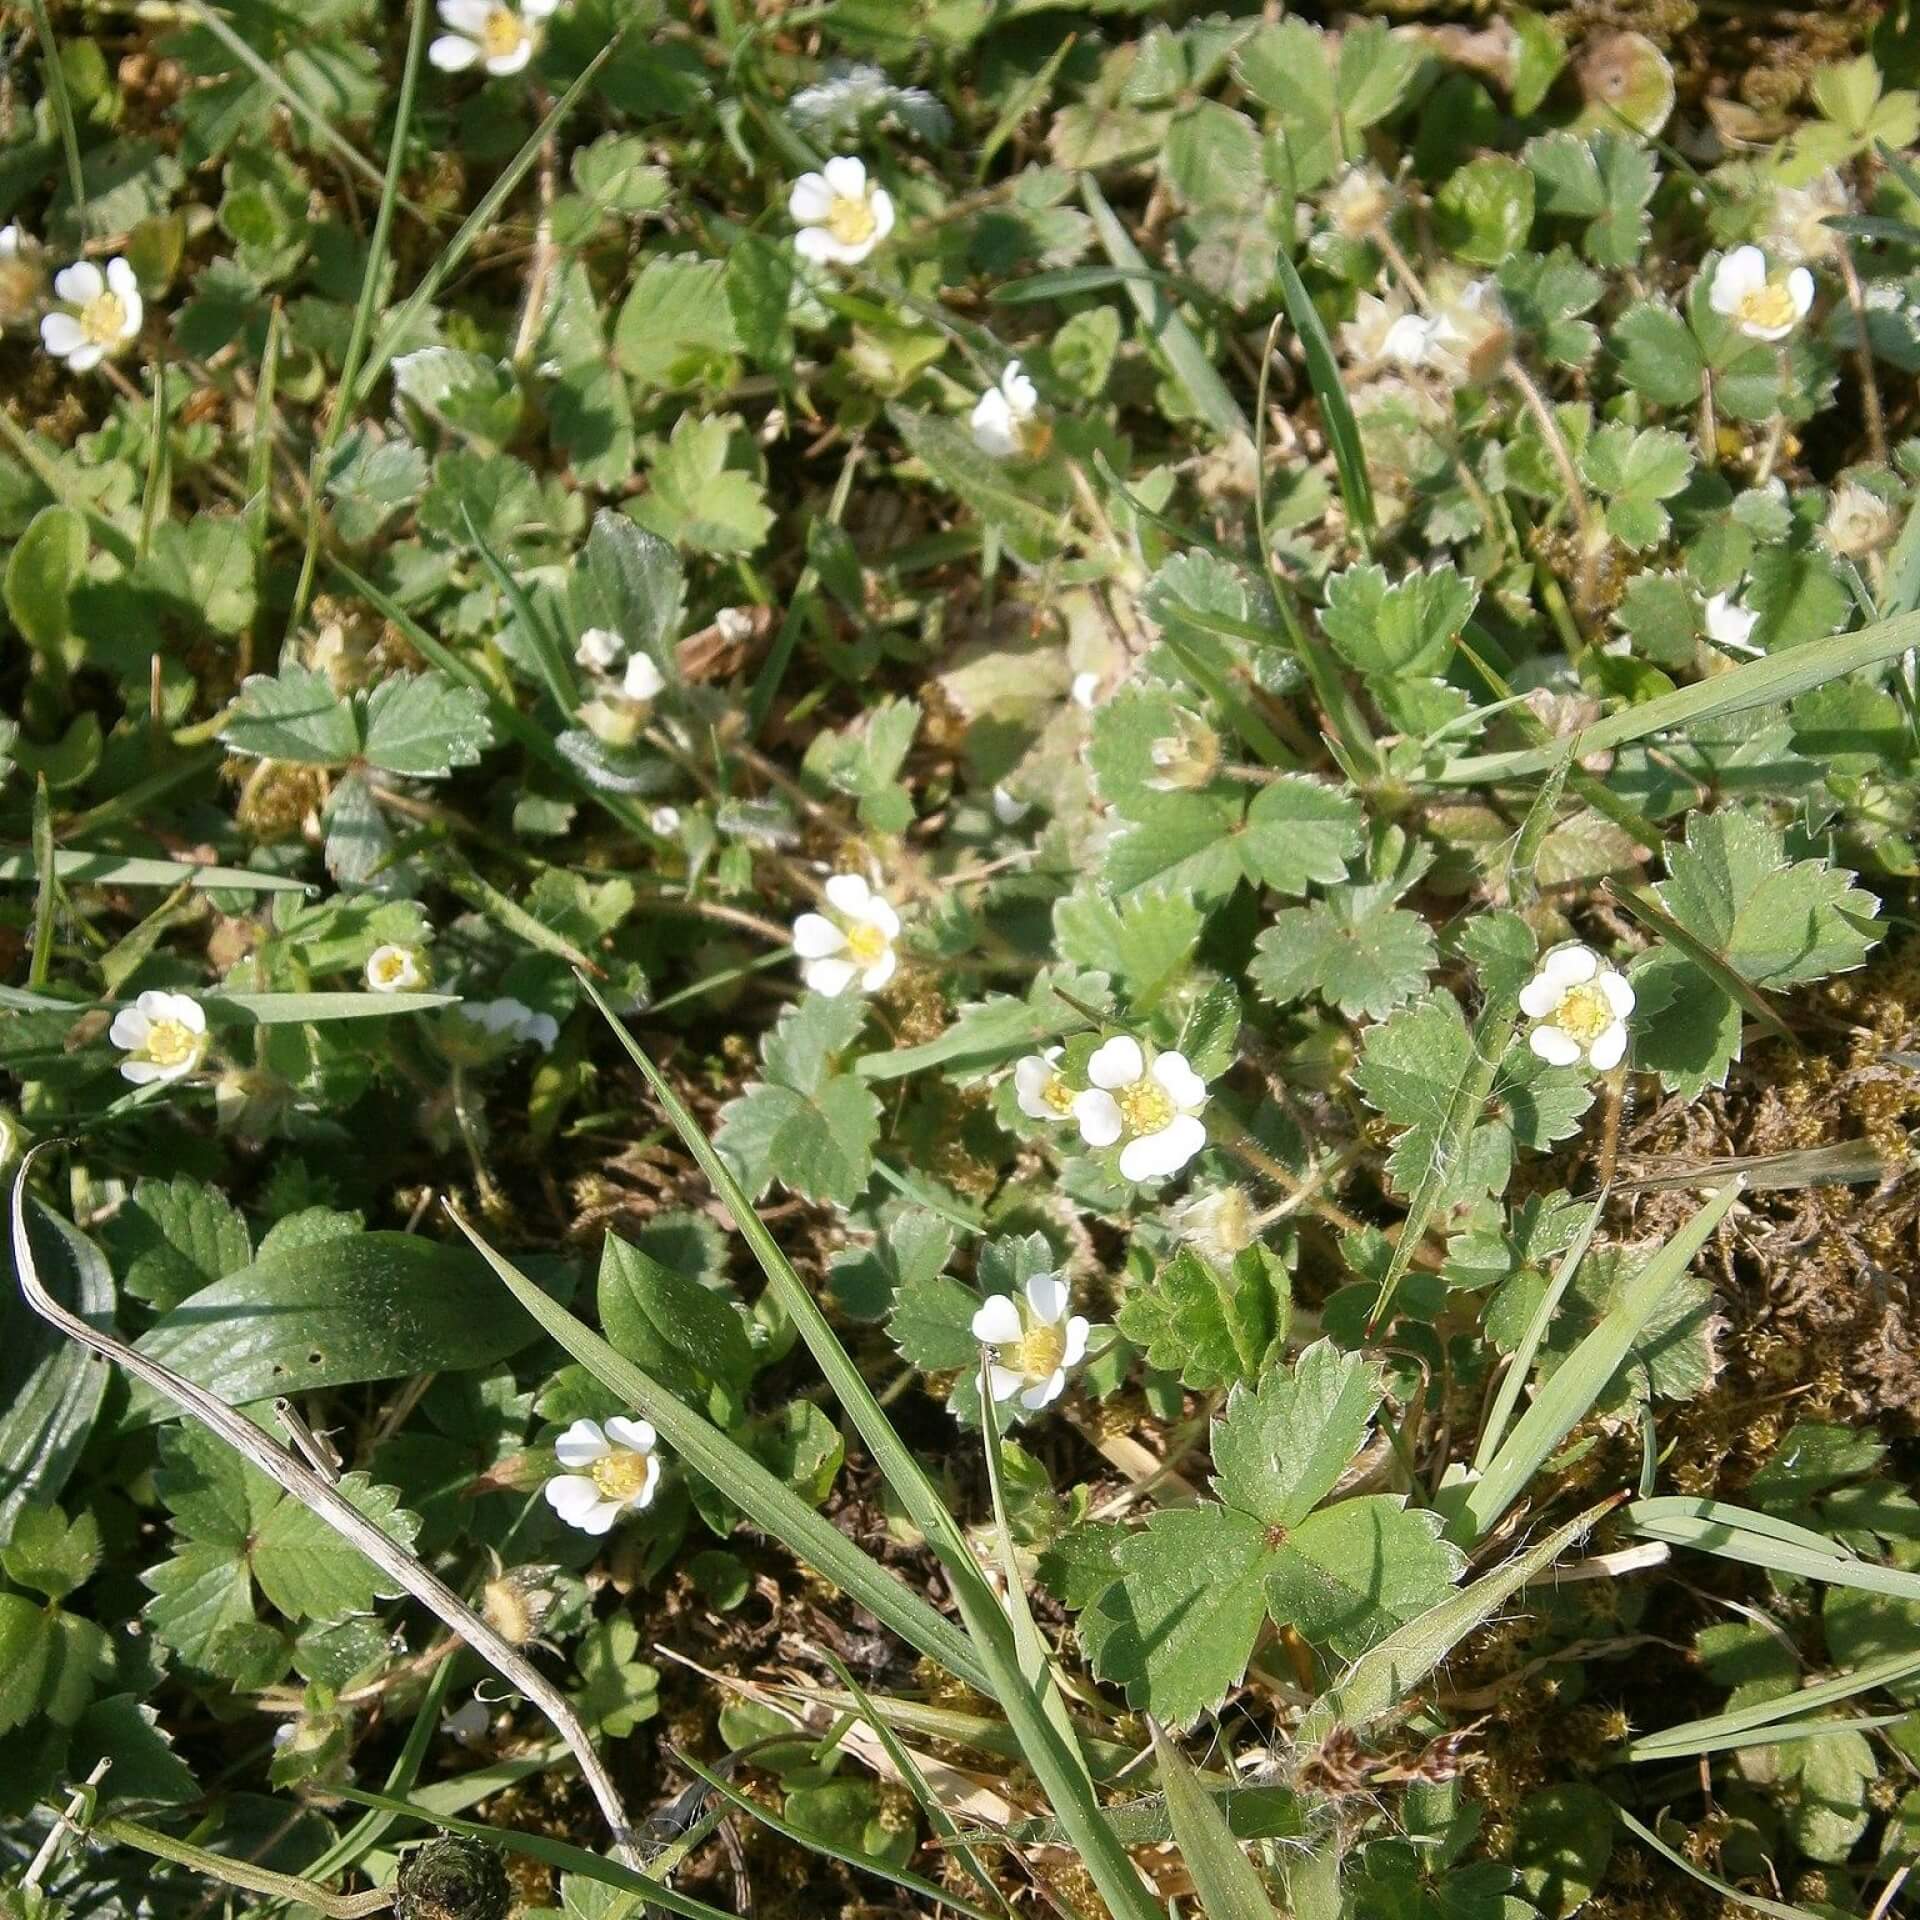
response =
{"points": [[1634, 471], [1408, 627], [1142, 939], [707, 493], [687, 1334], [1484, 210], [423, 725], [1355, 949], [309, 1573], [1223, 1876], [378, 1306], [1298, 832], [1347, 1576], [1798, 594], [1563, 1839], [630, 582], [617, 1691], [173, 1238], [47, 561], [985, 484], [760, 280], [1211, 1325], [292, 715], [1278, 1449], [913, 1247], [676, 322], [51, 1554]]}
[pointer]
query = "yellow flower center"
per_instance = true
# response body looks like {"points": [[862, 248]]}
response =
{"points": [[867, 943], [1041, 1350], [851, 222], [621, 1475], [171, 1043], [1585, 1014], [1057, 1095], [1768, 306], [503, 35], [104, 319], [389, 969], [1146, 1107]]}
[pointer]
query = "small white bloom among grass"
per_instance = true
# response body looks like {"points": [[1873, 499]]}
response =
{"points": [[1579, 1006], [611, 1470], [1152, 1107], [665, 821], [1034, 1341], [1008, 808], [841, 214], [642, 681], [1414, 340], [395, 969], [101, 313], [489, 33], [1006, 417], [852, 943], [1041, 1088], [1763, 308], [164, 1035], [599, 650], [1730, 623], [513, 1020]]}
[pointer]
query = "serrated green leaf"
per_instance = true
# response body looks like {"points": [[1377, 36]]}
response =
{"points": [[1279, 1448], [292, 715], [305, 1569], [1407, 626], [1354, 949], [1211, 1325], [172, 1238], [1347, 1576]]}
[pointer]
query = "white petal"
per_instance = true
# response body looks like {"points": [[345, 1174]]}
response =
{"points": [[84, 358], [829, 976], [538, 9], [1023, 397], [60, 334], [599, 1518], [120, 277], [1572, 966], [808, 199], [815, 936], [1155, 1155], [1541, 996], [882, 970], [648, 1487], [847, 176], [816, 243], [1183, 1086], [1800, 285], [642, 679], [1046, 1392], [581, 1445], [142, 1073], [79, 283], [10, 241], [880, 914], [1003, 1382], [1409, 341], [1031, 1079], [1618, 992], [849, 893], [1076, 1341], [991, 423], [599, 648], [634, 1433], [1099, 1117], [1608, 1051], [1048, 1296], [1557, 1048], [512, 62], [130, 1029], [452, 54], [1117, 1063], [572, 1496], [1742, 272], [466, 16], [880, 205], [998, 1321]]}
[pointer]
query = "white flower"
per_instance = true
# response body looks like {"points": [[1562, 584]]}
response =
{"points": [[11, 241], [1415, 340], [1008, 808], [1762, 308], [642, 681], [395, 969], [1034, 1341], [515, 1019], [599, 650], [1580, 1007], [1004, 416], [1730, 623], [841, 214], [665, 821], [614, 1470], [106, 313], [854, 943], [1086, 688], [164, 1034], [489, 33], [1221, 1223], [1152, 1108], [1041, 1088]]}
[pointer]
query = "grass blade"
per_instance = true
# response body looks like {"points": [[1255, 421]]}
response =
{"points": [[55, 76], [1778, 1909], [47, 865], [1223, 1876], [1703, 956], [1336, 411], [77, 867], [1562, 1403], [1195, 371], [1737, 1533], [769, 1502], [1768, 1736]]}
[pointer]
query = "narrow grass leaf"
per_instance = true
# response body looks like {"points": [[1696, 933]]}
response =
{"points": [[1778, 1909], [1736, 1533], [1336, 411], [1223, 1876], [80, 868]]}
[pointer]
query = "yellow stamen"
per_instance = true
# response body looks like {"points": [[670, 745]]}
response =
{"points": [[389, 968], [171, 1043], [1041, 1350], [621, 1475], [1768, 306], [1057, 1095], [867, 943], [104, 319], [503, 34], [851, 222], [1146, 1107], [1585, 1014]]}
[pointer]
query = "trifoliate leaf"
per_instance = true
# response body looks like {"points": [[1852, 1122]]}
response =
{"points": [[1484, 209], [174, 1237], [1353, 949], [1408, 627], [309, 1572], [913, 1246], [370, 480], [707, 491], [616, 1691], [1604, 180], [1142, 939], [424, 725], [292, 715], [1347, 1576], [1279, 1448], [1299, 832], [1545, 296], [1211, 1324], [1684, 1028], [1634, 471]]}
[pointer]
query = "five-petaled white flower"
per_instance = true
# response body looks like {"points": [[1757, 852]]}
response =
{"points": [[611, 1470], [1579, 1006], [1730, 623], [395, 969], [164, 1034], [105, 313], [1762, 308], [515, 1019], [489, 33], [1041, 1088], [1034, 1341], [841, 214], [1006, 417], [1153, 1107], [853, 944]]}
